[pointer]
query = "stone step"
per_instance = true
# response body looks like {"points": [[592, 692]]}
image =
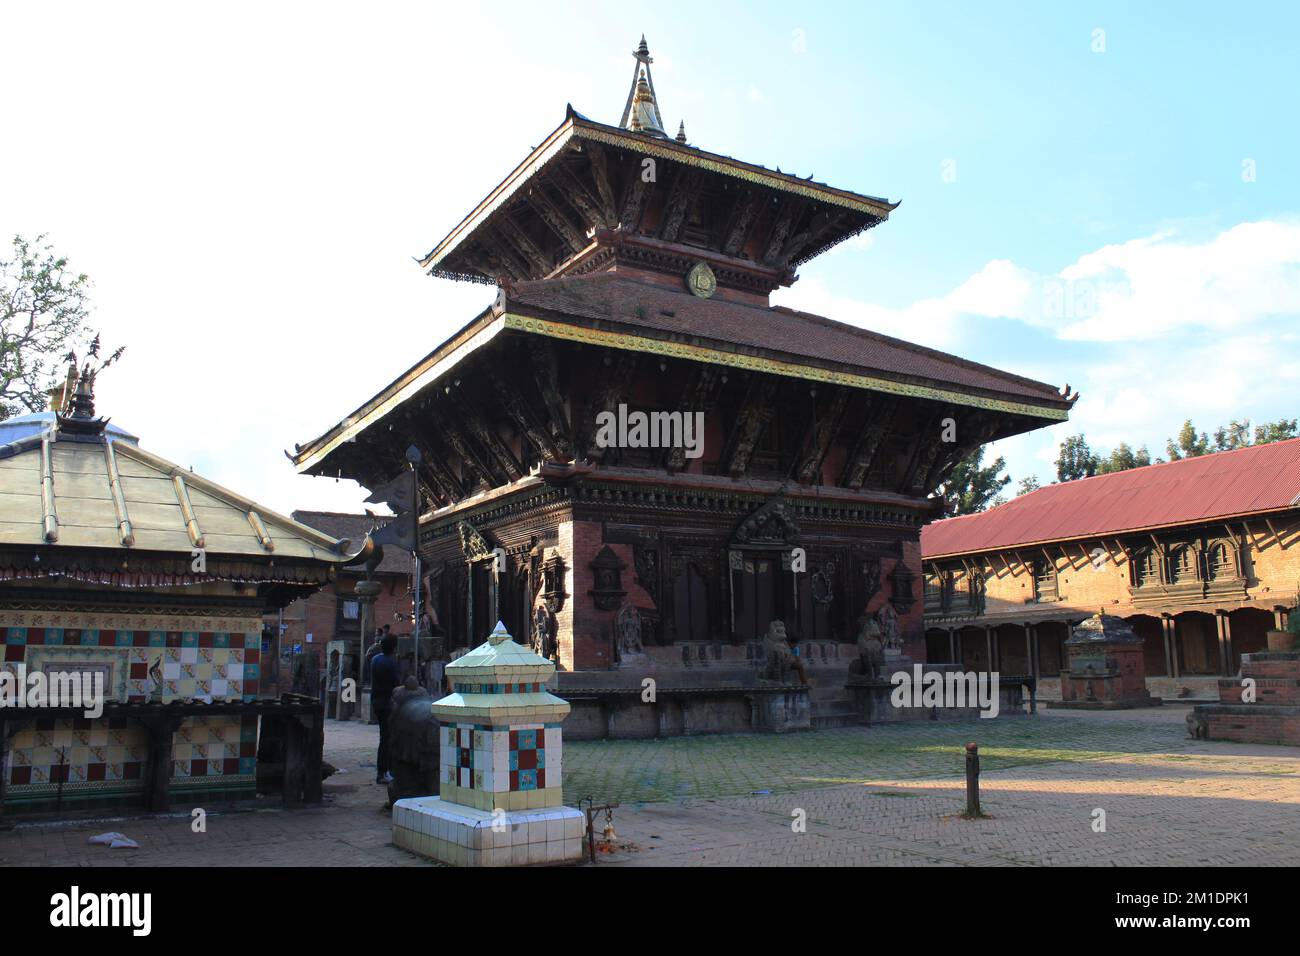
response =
{"points": [[834, 712]]}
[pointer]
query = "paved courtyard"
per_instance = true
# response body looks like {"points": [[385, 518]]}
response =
{"points": [[878, 796]]}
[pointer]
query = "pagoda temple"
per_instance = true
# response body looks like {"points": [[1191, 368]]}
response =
{"points": [[632, 272]]}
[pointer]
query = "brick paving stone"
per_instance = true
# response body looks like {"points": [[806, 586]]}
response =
{"points": [[884, 796]]}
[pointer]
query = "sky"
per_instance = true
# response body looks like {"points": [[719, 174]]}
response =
{"points": [[1105, 195]]}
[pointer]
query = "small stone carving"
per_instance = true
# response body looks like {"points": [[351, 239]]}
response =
{"points": [[1198, 726], [628, 630]]}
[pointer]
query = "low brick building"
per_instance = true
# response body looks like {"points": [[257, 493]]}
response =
{"points": [[308, 626], [1200, 556]]}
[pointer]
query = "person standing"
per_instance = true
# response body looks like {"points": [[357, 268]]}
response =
{"points": [[385, 677]]}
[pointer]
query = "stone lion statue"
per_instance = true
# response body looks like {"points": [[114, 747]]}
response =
{"points": [[779, 659], [870, 650]]}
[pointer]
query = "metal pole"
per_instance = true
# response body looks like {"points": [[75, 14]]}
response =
{"points": [[973, 780], [415, 632]]}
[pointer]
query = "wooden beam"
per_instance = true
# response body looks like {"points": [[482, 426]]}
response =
{"points": [[878, 415], [558, 222], [823, 431], [746, 210], [600, 174], [755, 412], [698, 396], [545, 366]]}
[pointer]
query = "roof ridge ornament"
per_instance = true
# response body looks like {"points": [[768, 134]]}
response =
{"points": [[76, 414], [641, 112]]}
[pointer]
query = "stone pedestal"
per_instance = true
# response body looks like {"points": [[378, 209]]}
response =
{"points": [[501, 764], [1106, 670], [1265, 711]]}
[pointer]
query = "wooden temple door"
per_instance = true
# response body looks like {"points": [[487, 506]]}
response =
{"points": [[691, 606], [757, 594]]}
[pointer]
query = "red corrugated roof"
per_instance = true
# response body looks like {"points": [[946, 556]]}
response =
{"points": [[1229, 484]]}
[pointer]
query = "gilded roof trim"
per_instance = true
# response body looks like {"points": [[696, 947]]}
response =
{"points": [[699, 353]]}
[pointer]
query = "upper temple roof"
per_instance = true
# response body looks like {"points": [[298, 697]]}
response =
{"points": [[590, 192]]}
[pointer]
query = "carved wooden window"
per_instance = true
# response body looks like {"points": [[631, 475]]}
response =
{"points": [[1222, 562], [1044, 579], [1182, 565], [1146, 568], [934, 591]]}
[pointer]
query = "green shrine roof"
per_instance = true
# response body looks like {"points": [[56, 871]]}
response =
{"points": [[501, 682]]}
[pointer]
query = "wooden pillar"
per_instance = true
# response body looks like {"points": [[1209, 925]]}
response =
{"points": [[1170, 628], [952, 645], [160, 729], [988, 649], [1031, 638], [1225, 642], [315, 736], [295, 762], [4, 761]]}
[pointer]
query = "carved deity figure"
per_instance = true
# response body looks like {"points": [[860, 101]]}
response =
{"points": [[870, 650], [890, 636], [778, 657], [543, 633], [628, 629]]}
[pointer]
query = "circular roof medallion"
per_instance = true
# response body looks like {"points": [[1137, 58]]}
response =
{"points": [[701, 280]]}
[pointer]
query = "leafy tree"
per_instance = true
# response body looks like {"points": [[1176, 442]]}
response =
{"points": [[1075, 460], [1279, 430], [1235, 434], [1123, 458], [1027, 485], [1189, 444], [973, 487], [43, 308]]}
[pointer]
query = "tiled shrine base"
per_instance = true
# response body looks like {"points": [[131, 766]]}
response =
{"points": [[464, 836], [79, 764], [487, 768]]}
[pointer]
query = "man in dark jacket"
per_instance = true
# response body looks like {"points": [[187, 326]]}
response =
{"points": [[385, 677]]}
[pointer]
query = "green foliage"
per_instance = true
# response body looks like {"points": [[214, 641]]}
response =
{"points": [[43, 308], [973, 487], [1027, 485], [1189, 444], [1280, 430], [1075, 460], [1124, 458]]}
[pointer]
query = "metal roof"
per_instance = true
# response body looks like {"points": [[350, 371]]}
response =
{"points": [[1260, 479]]}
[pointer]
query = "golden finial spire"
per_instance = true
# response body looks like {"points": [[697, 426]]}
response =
{"points": [[641, 114]]}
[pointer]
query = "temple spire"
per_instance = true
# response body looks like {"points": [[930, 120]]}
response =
{"points": [[641, 113], [681, 132]]}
